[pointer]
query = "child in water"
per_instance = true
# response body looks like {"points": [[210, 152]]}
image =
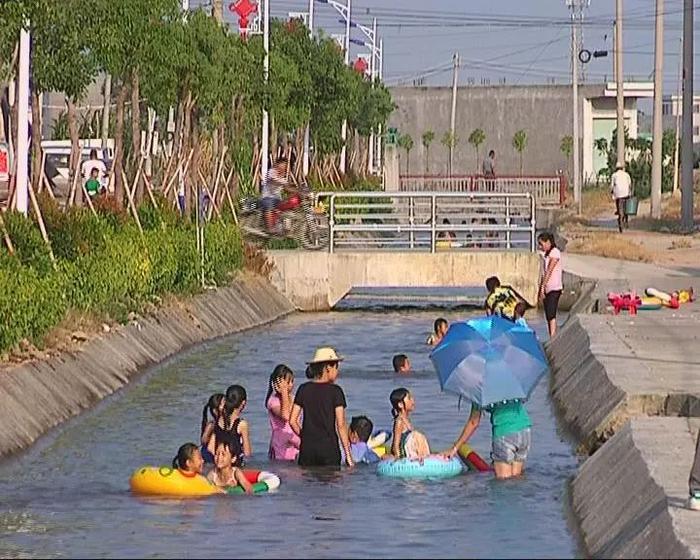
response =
{"points": [[231, 428], [214, 406], [407, 443], [401, 363], [439, 330], [225, 474], [359, 433], [284, 443], [189, 460]]}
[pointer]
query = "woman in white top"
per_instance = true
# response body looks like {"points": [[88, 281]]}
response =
{"points": [[551, 284]]}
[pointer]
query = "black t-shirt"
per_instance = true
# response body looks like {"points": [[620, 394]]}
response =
{"points": [[319, 401]]}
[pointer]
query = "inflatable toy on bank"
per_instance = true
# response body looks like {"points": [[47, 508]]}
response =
{"points": [[166, 481]]}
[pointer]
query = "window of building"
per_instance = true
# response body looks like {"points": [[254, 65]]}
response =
{"points": [[696, 108], [696, 131]]}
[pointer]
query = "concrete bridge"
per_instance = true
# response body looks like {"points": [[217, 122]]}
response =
{"points": [[318, 281]]}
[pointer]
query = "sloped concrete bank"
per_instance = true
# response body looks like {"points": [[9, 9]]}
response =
{"points": [[627, 389], [37, 396], [629, 497]]}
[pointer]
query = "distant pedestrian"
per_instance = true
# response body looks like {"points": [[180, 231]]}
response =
{"points": [[488, 168], [621, 186], [94, 163], [694, 483]]}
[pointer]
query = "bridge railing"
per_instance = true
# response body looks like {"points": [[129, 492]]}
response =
{"points": [[430, 221], [548, 191]]}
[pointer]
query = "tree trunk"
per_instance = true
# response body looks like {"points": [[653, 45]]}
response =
{"points": [[118, 164], [521, 164], [75, 151], [427, 160], [136, 131], [36, 141]]}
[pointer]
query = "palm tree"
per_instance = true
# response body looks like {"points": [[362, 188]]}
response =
{"points": [[449, 140], [520, 143], [476, 139], [406, 142], [567, 148], [426, 140]]}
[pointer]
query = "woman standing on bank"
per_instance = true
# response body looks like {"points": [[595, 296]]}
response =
{"points": [[551, 284]]}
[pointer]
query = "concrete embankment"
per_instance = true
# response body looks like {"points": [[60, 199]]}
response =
{"points": [[630, 496], [627, 389], [36, 396], [317, 281], [607, 369]]}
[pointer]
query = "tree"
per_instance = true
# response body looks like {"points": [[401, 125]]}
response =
{"points": [[406, 142], [520, 143], [476, 139], [449, 140], [427, 139], [567, 148]]}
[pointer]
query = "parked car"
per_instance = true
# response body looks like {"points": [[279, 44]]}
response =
{"points": [[57, 153]]}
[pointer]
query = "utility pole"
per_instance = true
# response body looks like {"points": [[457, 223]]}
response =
{"points": [[344, 132], [380, 134], [22, 152], [372, 73], [574, 91], [656, 152], [677, 110], [264, 164], [619, 84], [453, 114], [105, 110], [687, 157], [307, 131]]}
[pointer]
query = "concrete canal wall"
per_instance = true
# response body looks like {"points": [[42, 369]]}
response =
{"points": [[36, 396], [628, 389]]}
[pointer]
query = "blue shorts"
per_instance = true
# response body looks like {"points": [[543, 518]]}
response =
{"points": [[511, 448], [270, 203]]}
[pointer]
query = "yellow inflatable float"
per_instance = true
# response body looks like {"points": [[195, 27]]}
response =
{"points": [[166, 481]]}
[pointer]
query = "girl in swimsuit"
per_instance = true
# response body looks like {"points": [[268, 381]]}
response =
{"points": [[407, 443], [214, 406], [225, 474], [284, 443], [230, 428]]}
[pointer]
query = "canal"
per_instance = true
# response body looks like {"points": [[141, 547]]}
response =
{"points": [[68, 496]]}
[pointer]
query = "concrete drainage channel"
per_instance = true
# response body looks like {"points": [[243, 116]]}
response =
{"points": [[627, 390]]}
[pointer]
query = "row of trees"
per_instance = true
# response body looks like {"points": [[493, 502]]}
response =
{"points": [[159, 58], [449, 140]]}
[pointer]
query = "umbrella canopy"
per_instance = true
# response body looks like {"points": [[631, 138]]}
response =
{"points": [[489, 360]]}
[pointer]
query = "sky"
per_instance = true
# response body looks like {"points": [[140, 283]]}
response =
{"points": [[503, 41]]}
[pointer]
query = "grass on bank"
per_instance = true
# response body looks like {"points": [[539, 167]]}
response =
{"points": [[105, 268], [603, 244]]}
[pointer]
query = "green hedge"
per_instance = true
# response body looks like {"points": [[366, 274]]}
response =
{"points": [[104, 265]]}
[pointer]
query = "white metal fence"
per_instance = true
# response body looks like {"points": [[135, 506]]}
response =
{"points": [[431, 221]]}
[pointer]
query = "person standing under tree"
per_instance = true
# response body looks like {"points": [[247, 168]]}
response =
{"points": [[621, 186]]}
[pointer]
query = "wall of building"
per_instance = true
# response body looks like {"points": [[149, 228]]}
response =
{"points": [[543, 111]]}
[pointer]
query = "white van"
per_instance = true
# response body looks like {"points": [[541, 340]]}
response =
{"points": [[57, 152]]}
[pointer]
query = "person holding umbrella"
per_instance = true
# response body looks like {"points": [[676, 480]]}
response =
{"points": [[495, 364], [510, 436]]}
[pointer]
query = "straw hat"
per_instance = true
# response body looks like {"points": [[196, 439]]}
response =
{"points": [[325, 354]]}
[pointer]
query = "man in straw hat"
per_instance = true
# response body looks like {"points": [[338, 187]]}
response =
{"points": [[323, 405]]}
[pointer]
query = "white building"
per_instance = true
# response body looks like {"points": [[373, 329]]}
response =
{"points": [[673, 106]]}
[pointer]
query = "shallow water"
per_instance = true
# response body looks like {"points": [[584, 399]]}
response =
{"points": [[69, 496]]}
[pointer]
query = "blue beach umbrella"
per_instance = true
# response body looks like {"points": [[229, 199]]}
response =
{"points": [[489, 360]]}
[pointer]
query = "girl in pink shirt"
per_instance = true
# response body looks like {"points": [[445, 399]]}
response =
{"points": [[284, 443], [551, 284]]}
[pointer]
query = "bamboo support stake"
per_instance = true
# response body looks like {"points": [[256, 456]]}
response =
{"points": [[211, 199], [131, 197], [149, 189], [217, 180], [40, 219], [71, 194], [87, 197], [47, 185], [6, 236], [166, 190]]}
